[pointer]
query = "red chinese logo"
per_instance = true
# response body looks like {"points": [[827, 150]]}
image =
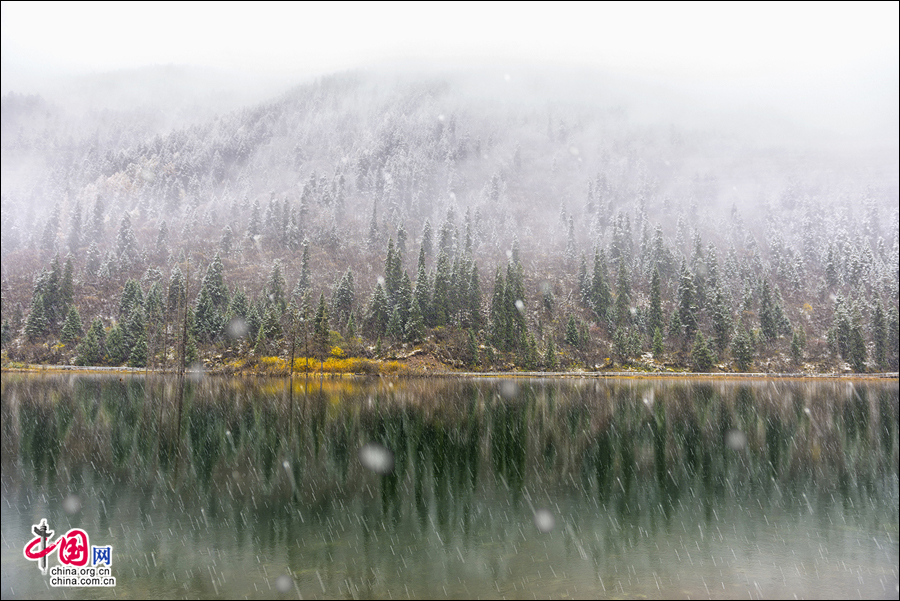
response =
{"points": [[73, 548]]}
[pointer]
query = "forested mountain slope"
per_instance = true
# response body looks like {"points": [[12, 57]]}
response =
{"points": [[490, 223]]}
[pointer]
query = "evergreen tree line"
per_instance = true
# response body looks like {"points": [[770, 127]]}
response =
{"points": [[161, 323]]}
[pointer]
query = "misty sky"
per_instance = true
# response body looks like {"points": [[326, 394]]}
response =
{"points": [[838, 60]]}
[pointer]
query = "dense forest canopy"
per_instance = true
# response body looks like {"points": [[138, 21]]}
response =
{"points": [[542, 221]]}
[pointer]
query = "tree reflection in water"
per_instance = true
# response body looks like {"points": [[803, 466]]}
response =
{"points": [[648, 487]]}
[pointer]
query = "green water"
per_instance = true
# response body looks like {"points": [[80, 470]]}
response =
{"points": [[221, 488]]}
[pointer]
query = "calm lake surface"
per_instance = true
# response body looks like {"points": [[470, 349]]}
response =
{"points": [[444, 488]]}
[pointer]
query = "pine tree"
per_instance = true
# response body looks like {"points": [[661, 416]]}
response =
{"points": [[687, 307], [532, 358], [655, 319], [475, 319], [722, 322], [93, 259], [415, 325], [138, 356], [116, 348], [378, 313], [573, 336], [422, 292], [768, 321], [214, 283], [658, 348], [550, 361], [857, 352], [392, 273], [372, 240], [441, 308], [342, 303], [275, 288], [499, 326], [127, 252], [797, 345], [37, 325], [472, 350], [6, 333], [209, 323], [427, 240], [879, 336], [303, 282], [67, 285], [321, 330], [270, 328], [742, 349], [97, 220], [893, 344], [701, 357], [176, 293], [395, 325], [72, 329], [91, 349], [600, 294], [623, 295]]}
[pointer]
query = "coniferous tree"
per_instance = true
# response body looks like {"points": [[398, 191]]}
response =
{"points": [[573, 336], [415, 325], [550, 361], [797, 343], [321, 330], [531, 359], [6, 333], [275, 289], [392, 273], [499, 326], [584, 282], [72, 329], [302, 286], [127, 253], [93, 259], [879, 336], [475, 319], [841, 329], [658, 348], [427, 240], [378, 313], [600, 294], [893, 344], [623, 295], [91, 350], [701, 356], [742, 349], [722, 322], [395, 325], [768, 320], [176, 292], [67, 285], [116, 347], [97, 219], [138, 356], [442, 284], [687, 307], [342, 303], [36, 326], [655, 319]]}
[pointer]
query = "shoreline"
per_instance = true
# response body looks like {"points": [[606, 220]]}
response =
{"points": [[417, 374]]}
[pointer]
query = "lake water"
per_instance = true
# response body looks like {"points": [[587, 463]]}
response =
{"points": [[444, 488]]}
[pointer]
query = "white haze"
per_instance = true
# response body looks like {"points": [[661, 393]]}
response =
{"points": [[831, 68]]}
